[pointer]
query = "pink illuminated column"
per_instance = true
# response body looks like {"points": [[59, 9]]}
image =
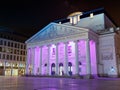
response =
{"points": [[66, 59], [48, 66], [76, 57], [93, 57], [32, 59], [44, 60], [37, 61], [57, 72], [88, 62], [41, 60]]}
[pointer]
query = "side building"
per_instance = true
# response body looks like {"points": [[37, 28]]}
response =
{"points": [[12, 53], [84, 44]]}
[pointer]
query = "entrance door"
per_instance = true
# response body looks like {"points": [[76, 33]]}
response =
{"points": [[70, 68], [61, 71], [53, 69]]}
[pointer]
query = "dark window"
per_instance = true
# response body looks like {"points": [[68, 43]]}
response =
{"points": [[15, 45], [10, 57], [0, 49], [20, 58], [3, 56], [11, 44], [5, 43], [17, 58], [14, 57], [1, 42], [0, 55], [8, 43]]}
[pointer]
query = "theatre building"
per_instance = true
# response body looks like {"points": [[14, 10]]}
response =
{"points": [[84, 44]]}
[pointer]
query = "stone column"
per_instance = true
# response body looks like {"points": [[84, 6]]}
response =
{"points": [[33, 59], [66, 60], [41, 60], [48, 63], [57, 73], [88, 61], [76, 58]]}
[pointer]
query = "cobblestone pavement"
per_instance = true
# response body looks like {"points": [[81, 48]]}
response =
{"points": [[44, 83]]}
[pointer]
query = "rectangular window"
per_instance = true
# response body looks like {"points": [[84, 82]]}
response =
{"points": [[8, 43], [17, 58], [17, 51], [21, 46], [14, 57], [20, 58], [15, 45], [1, 42], [0, 49], [3, 56], [23, 58], [7, 57], [14, 51], [10, 57], [5, 43], [21, 52], [11, 44]]}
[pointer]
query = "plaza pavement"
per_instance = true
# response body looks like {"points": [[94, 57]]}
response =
{"points": [[51, 83]]}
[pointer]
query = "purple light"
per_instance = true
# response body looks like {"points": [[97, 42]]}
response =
{"points": [[93, 57], [44, 60], [37, 61], [61, 57], [52, 58], [71, 56], [82, 57]]}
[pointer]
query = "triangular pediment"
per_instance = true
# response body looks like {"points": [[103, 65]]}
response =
{"points": [[55, 30]]}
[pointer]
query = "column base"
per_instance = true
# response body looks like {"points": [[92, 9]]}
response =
{"points": [[88, 76]]}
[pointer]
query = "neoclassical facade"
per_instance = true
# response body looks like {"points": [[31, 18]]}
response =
{"points": [[78, 46]]}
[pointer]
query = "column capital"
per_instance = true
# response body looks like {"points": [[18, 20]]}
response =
{"points": [[87, 39], [48, 45], [66, 42], [56, 44], [76, 41]]}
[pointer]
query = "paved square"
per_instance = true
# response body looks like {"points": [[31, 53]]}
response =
{"points": [[43, 83]]}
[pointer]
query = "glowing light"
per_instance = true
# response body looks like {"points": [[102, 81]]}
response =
{"points": [[91, 15], [74, 17]]}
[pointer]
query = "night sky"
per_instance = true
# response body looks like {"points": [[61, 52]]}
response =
{"points": [[29, 16]]}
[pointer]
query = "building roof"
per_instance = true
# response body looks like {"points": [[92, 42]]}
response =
{"points": [[87, 14]]}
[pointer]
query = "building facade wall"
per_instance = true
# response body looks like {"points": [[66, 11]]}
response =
{"points": [[12, 57], [107, 55], [69, 57]]}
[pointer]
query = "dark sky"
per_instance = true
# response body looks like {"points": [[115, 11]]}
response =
{"points": [[29, 16]]}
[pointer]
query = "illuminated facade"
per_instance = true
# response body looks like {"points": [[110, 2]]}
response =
{"points": [[82, 45], [12, 53]]}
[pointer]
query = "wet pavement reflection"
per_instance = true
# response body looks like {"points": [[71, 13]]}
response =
{"points": [[44, 83]]}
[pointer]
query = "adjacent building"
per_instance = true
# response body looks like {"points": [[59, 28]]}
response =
{"points": [[84, 44], [12, 53]]}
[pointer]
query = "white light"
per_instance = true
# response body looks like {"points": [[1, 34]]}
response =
{"points": [[70, 19], [91, 15], [75, 20], [78, 17], [0, 64]]}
